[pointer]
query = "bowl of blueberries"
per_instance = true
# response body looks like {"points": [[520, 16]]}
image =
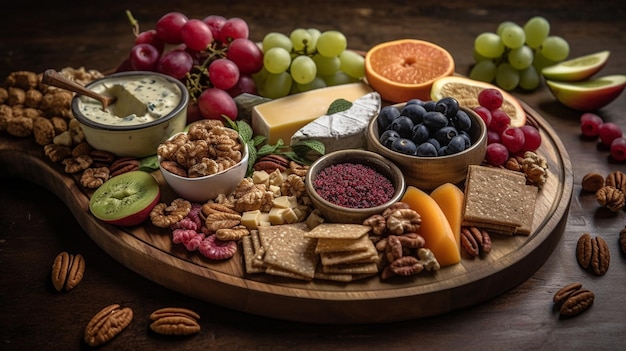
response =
{"points": [[432, 142]]}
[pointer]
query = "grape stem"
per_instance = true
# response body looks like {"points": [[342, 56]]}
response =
{"points": [[194, 81], [133, 22]]}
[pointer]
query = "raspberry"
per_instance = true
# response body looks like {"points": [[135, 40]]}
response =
{"points": [[590, 124], [490, 98], [608, 132], [618, 149]]}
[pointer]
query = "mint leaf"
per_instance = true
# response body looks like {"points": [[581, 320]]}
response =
{"points": [[148, 164], [244, 130], [338, 105]]}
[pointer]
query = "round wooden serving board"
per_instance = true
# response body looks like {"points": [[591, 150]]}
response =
{"points": [[150, 252]]}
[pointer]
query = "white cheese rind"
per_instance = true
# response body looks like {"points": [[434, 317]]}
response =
{"points": [[342, 130]]}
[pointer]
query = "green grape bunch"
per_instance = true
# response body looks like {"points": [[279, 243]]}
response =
{"points": [[513, 56], [304, 60]]}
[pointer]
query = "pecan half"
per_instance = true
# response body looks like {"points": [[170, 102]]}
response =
{"points": [[123, 165], [67, 271], [107, 324], [565, 292], [617, 180], [577, 302], [593, 254], [270, 163], [475, 241], [174, 321]]}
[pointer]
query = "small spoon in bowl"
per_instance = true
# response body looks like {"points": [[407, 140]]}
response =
{"points": [[54, 78]]}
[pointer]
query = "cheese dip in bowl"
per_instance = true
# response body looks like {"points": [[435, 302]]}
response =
{"points": [[149, 108]]}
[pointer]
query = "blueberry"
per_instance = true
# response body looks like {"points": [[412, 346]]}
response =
{"points": [[457, 144], [426, 150], [435, 143], [405, 146], [420, 133], [466, 137], [403, 125], [448, 106], [442, 151], [462, 120], [415, 101], [388, 137], [445, 134], [430, 105], [386, 115], [414, 112], [435, 120]]}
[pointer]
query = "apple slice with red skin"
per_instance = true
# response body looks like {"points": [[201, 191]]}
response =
{"points": [[588, 95], [126, 199]]}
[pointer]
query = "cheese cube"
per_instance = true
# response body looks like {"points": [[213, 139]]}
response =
{"points": [[281, 118], [251, 219]]}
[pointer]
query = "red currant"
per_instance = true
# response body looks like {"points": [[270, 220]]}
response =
{"points": [[608, 132], [484, 113], [490, 98], [497, 154], [590, 124], [513, 139], [618, 149], [532, 138], [499, 120]]}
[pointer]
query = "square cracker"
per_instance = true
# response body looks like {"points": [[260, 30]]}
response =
{"points": [[289, 250], [332, 258], [352, 268], [338, 231], [492, 196], [342, 245]]}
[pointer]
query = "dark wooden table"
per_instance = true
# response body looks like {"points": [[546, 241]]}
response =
{"points": [[35, 225]]}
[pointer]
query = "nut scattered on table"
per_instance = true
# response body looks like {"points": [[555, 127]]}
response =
{"points": [[67, 271], [107, 324], [610, 197], [592, 182], [174, 321], [572, 300], [593, 254]]}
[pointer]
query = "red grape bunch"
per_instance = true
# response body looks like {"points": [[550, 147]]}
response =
{"points": [[213, 56]]}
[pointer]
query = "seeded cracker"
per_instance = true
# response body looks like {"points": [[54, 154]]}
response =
{"points": [[248, 256], [332, 258], [492, 198], [528, 209], [288, 250], [338, 231], [343, 245]]}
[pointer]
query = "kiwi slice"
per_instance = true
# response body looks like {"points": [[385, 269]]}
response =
{"points": [[126, 199]]}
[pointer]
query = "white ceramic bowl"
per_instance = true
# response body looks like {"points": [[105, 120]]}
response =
{"points": [[137, 140], [202, 189], [339, 214]]}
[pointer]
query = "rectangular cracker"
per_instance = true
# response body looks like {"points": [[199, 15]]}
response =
{"points": [[351, 268], [342, 245], [248, 256], [332, 258], [338, 231], [344, 278], [288, 249], [527, 204], [492, 196]]}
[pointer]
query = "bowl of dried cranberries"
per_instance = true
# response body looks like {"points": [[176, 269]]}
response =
{"points": [[348, 186]]}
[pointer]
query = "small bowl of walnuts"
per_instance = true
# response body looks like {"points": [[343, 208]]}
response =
{"points": [[207, 160], [348, 186]]}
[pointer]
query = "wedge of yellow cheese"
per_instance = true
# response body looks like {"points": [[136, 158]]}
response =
{"points": [[451, 200], [281, 118], [435, 228]]}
